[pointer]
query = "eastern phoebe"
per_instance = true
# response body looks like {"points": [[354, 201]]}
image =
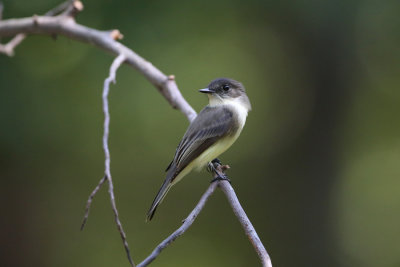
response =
{"points": [[212, 132]]}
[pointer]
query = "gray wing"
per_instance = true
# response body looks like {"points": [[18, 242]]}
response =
{"points": [[214, 122]]}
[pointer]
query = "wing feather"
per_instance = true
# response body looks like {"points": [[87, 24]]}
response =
{"points": [[214, 122]]}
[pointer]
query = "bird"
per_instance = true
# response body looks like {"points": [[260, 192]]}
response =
{"points": [[211, 133]]}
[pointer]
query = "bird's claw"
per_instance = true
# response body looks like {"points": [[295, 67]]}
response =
{"points": [[220, 178], [215, 166], [216, 160], [210, 167]]}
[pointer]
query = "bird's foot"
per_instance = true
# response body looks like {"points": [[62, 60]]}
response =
{"points": [[213, 165], [210, 167], [220, 178], [216, 160], [218, 169]]}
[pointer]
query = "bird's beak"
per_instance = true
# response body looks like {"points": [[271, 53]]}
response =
{"points": [[206, 91]]}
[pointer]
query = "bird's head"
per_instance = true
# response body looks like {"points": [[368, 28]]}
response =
{"points": [[224, 90]]}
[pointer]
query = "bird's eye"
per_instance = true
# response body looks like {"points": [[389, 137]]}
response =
{"points": [[225, 87]]}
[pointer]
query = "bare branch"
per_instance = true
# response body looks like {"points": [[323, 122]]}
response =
{"points": [[107, 171], [244, 220], [66, 26], [89, 202], [218, 171], [61, 8], [8, 48], [106, 89], [186, 224], [73, 6]]}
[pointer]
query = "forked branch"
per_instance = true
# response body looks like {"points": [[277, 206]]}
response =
{"points": [[64, 24], [237, 209]]}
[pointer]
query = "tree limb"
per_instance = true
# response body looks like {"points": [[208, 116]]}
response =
{"points": [[64, 24], [106, 40], [246, 224], [107, 172], [186, 224], [90, 199], [71, 8], [237, 209]]}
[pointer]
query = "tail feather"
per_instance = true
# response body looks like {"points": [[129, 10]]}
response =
{"points": [[159, 198]]}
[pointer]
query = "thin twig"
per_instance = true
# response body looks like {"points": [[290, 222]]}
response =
{"points": [[9, 48], [72, 8], [60, 8], [186, 224], [90, 199], [107, 172]]}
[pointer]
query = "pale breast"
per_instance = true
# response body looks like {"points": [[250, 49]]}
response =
{"points": [[240, 114]]}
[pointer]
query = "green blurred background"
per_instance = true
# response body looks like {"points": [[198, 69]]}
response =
{"points": [[316, 167]]}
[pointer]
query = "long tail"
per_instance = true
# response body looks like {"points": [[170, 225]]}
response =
{"points": [[160, 196]]}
